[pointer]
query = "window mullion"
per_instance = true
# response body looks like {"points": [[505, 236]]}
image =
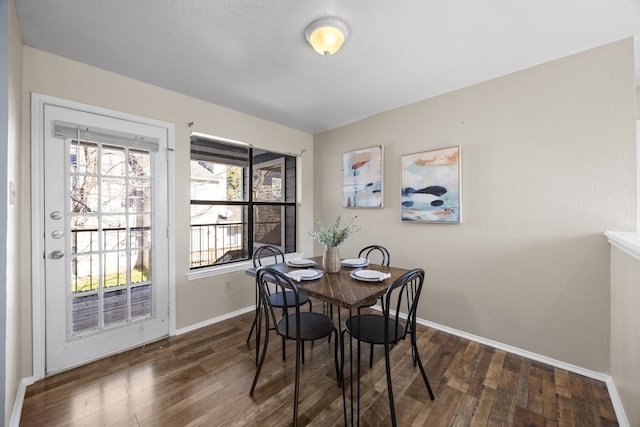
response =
{"points": [[250, 210]]}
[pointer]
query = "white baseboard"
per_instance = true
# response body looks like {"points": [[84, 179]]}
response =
{"points": [[17, 405], [214, 320], [623, 421], [599, 376], [520, 352]]}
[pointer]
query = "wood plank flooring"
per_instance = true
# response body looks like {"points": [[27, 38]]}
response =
{"points": [[203, 379]]}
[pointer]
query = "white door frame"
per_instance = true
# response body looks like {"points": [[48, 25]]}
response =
{"points": [[38, 102]]}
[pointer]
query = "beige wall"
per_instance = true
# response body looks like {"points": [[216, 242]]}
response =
{"points": [[548, 165], [625, 340], [14, 371], [197, 300]]}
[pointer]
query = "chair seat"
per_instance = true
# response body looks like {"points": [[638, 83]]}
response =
{"points": [[289, 299], [370, 328], [313, 326]]}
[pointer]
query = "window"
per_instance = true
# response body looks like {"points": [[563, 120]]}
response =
{"points": [[241, 198]]}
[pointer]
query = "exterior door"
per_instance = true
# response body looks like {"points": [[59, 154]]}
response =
{"points": [[105, 235]]}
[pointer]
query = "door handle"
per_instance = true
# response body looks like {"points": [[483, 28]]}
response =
{"points": [[56, 215], [57, 254]]}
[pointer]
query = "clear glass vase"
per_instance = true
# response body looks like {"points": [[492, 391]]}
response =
{"points": [[331, 259]]}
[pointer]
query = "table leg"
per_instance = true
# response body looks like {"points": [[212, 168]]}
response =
{"points": [[358, 403]]}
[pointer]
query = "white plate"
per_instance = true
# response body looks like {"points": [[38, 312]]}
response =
{"points": [[369, 275], [355, 262], [363, 279], [300, 262], [305, 274]]}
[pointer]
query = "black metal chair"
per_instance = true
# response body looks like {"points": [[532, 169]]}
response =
{"points": [[397, 320], [261, 256], [375, 253], [294, 324]]}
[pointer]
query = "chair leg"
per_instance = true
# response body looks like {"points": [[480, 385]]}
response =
{"points": [[296, 393], [253, 326], [330, 309], [371, 357], [284, 344], [335, 357], [264, 353], [414, 348], [255, 319], [387, 363], [259, 332], [344, 391]]}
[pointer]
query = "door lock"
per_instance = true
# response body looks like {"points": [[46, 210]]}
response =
{"points": [[57, 254]]}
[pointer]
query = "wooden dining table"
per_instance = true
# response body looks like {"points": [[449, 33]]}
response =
{"points": [[343, 291]]}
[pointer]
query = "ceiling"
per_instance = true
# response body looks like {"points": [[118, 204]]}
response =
{"points": [[251, 55]]}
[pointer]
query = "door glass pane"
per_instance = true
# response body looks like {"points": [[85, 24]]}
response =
{"points": [[85, 234], [139, 163], [113, 161], [114, 195], [84, 194], [85, 273], [114, 229], [110, 225], [140, 233], [140, 266], [85, 313], [114, 269], [115, 307], [84, 157], [141, 301]]}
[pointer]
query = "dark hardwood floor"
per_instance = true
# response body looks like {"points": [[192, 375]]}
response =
{"points": [[203, 379]]}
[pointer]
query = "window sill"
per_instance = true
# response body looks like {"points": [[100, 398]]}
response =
{"points": [[202, 273], [628, 242]]}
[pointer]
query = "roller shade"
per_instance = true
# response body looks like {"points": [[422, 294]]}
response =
{"points": [[219, 152], [105, 136]]}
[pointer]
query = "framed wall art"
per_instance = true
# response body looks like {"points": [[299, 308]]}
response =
{"points": [[431, 186], [362, 178]]}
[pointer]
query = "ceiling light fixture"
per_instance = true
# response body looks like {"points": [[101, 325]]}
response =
{"points": [[326, 35]]}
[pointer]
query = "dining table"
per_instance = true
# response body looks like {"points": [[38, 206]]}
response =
{"points": [[342, 289]]}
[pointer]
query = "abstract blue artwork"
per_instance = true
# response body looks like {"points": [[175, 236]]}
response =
{"points": [[362, 178], [431, 186]]}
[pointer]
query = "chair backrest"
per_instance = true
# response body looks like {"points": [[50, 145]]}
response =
{"points": [[266, 254], [378, 252], [401, 303], [267, 278]]}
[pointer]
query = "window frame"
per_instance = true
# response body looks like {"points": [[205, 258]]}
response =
{"points": [[288, 200]]}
